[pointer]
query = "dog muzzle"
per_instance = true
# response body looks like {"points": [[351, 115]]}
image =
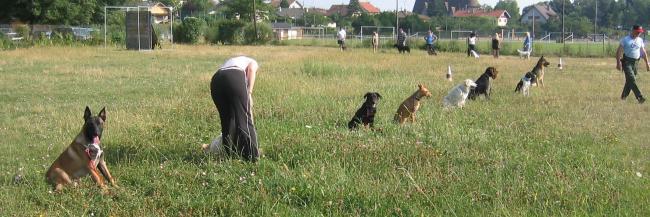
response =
{"points": [[94, 152]]}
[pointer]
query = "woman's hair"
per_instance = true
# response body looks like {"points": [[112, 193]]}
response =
{"points": [[472, 34]]}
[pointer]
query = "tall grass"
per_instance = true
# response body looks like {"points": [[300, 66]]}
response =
{"points": [[570, 49], [571, 148]]}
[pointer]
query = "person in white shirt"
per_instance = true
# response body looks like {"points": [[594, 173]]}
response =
{"points": [[471, 44], [231, 89], [629, 51], [341, 38]]}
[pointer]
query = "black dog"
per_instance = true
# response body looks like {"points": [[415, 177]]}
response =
{"points": [[402, 49], [529, 76], [366, 114], [484, 84]]}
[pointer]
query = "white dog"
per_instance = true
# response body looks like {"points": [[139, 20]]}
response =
{"points": [[214, 147], [525, 88], [457, 95], [474, 54], [524, 54]]}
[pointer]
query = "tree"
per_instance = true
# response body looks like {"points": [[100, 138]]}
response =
{"points": [[245, 8], [193, 7], [354, 6], [510, 6], [437, 9], [284, 4]]}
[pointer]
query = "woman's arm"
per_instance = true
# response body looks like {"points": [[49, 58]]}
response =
{"points": [[251, 72]]}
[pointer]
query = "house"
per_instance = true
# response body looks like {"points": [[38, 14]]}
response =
{"points": [[293, 13], [366, 6], [500, 16], [285, 31], [451, 6], [292, 3], [540, 13], [159, 12]]}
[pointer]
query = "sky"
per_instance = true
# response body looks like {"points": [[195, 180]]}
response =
{"points": [[386, 5]]}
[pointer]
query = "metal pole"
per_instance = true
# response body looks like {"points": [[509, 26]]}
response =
{"points": [[255, 19], [104, 27], [171, 26], [563, 33], [397, 16], [596, 19]]}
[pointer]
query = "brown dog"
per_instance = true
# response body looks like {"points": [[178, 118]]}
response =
{"points": [[538, 71], [407, 109], [83, 156]]}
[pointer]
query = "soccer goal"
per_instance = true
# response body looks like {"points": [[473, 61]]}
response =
{"points": [[136, 27], [385, 32], [313, 32], [459, 34]]}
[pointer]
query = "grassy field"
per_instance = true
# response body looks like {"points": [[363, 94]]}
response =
{"points": [[484, 46], [572, 148]]}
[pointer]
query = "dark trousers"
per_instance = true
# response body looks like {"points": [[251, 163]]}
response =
{"points": [[470, 48], [630, 71], [229, 94]]}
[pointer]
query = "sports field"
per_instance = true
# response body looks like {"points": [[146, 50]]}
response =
{"points": [[571, 148]]}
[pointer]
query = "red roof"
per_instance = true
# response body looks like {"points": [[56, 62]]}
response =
{"points": [[481, 13], [369, 7], [338, 9]]}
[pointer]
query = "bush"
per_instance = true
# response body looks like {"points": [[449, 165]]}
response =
{"points": [[264, 32], [5, 42], [227, 32], [189, 30], [23, 31]]}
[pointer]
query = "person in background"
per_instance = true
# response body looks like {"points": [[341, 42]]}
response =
{"points": [[375, 41], [401, 38], [430, 39], [341, 38], [471, 44], [496, 45], [630, 50], [231, 89]]}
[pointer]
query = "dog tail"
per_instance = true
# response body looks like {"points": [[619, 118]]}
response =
{"points": [[519, 85]]}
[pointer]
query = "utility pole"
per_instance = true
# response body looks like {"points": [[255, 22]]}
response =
{"points": [[563, 34], [596, 20], [396, 17], [255, 19]]}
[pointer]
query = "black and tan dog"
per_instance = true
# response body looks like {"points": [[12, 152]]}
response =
{"points": [[538, 71], [402, 49], [406, 110], [536, 75], [83, 156], [484, 84], [366, 114]]}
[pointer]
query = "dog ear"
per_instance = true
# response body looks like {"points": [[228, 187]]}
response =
{"points": [[102, 114], [87, 113], [367, 95], [419, 86], [378, 95]]}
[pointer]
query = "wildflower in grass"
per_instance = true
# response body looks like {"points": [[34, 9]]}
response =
{"points": [[639, 174]]}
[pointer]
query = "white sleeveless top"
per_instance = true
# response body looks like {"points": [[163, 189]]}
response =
{"points": [[240, 62]]}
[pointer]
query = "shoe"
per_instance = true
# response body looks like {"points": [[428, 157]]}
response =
{"points": [[623, 98], [641, 100]]}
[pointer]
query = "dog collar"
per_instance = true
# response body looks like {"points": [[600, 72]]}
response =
{"points": [[418, 98]]}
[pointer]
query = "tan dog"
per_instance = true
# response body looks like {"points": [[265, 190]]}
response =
{"points": [[407, 109], [83, 156]]}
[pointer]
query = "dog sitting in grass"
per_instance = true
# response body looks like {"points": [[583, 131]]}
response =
{"points": [[457, 95], [366, 114], [536, 75], [82, 157], [406, 111], [484, 84]]}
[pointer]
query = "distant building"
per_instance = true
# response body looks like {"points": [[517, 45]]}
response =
{"points": [[451, 6], [541, 13], [366, 6], [501, 17], [292, 3]]}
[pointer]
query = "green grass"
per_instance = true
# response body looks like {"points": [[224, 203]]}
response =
{"points": [[572, 148], [484, 46]]}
